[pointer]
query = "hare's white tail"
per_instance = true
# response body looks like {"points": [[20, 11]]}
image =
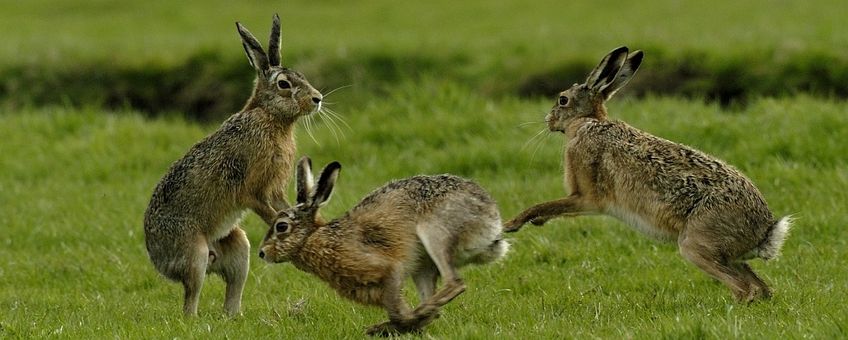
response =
{"points": [[490, 252], [498, 248], [770, 248]]}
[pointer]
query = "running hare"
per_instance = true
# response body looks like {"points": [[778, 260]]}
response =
{"points": [[717, 215], [191, 224], [423, 227]]}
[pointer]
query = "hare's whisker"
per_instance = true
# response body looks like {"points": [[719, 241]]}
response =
{"points": [[531, 140], [308, 125], [530, 123], [333, 117], [338, 88], [339, 117], [330, 125], [538, 147]]}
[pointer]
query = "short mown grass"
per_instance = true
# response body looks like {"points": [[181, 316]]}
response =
{"points": [[74, 185]]}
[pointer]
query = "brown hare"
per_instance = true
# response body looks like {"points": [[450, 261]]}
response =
{"points": [[665, 189], [191, 224], [423, 227]]}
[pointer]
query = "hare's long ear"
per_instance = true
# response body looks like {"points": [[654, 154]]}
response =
{"points": [[326, 183], [274, 43], [624, 74], [253, 49], [605, 72], [305, 182]]}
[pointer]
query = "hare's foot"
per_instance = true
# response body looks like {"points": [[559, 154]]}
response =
{"points": [[391, 328], [451, 290], [540, 221], [757, 289], [513, 225]]}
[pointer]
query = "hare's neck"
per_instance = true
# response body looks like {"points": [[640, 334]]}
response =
{"points": [[319, 253], [575, 125], [282, 132]]}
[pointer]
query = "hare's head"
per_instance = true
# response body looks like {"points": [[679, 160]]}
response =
{"points": [[293, 225], [587, 99], [282, 91]]}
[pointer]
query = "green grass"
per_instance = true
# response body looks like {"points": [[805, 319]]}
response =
{"points": [[75, 184], [164, 56], [502, 33]]}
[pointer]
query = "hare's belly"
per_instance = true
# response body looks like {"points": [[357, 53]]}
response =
{"points": [[642, 223], [226, 225]]}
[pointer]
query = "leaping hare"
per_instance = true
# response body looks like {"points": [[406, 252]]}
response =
{"points": [[191, 224], [423, 227], [717, 215]]}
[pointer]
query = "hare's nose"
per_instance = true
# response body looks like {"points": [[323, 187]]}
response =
{"points": [[316, 100], [261, 254]]}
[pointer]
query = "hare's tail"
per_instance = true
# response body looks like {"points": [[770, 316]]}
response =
{"points": [[489, 253], [770, 247], [499, 247]]}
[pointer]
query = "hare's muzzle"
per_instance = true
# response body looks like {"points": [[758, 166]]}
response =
{"points": [[551, 119]]}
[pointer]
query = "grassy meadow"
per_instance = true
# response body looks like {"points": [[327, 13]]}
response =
{"points": [[75, 178]]}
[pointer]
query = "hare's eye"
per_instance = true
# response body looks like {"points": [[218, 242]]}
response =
{"points": [[281, 227], [563, 100], [284, 84]]}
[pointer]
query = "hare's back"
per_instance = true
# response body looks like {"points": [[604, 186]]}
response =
{"points": [[203, 186], [421, 193], [680, 181]]}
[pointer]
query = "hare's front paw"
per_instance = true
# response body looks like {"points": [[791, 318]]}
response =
{"points": [[539, 221], [513, 225]]}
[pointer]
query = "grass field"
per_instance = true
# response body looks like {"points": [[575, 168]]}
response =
{"points": [[503, 33], [74, 181]]}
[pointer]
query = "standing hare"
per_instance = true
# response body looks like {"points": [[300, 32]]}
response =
{"points": [[669, 190], [423, 227], [191, 224]]}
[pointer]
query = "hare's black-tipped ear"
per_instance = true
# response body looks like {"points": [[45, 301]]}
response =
{"points": [[605, 72], [253, 49], [274, 43], [326, 183], [624, 74], [304, 180]]}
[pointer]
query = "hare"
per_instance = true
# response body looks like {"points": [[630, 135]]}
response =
{"points": [[669, 190], [423, 227], [191, 223]]}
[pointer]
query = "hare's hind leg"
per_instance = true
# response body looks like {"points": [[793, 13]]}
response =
{"points": [[400, 318], [716, 265], [425, 279], [440, 246], [196, 261], [757, 287], [232, 258]]}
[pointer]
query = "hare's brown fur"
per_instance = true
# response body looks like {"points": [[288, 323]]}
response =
{"points": [[665, 189], [191, 224], [423, 227]]}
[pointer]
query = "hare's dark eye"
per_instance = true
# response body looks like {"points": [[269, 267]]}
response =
{"points": [[284, 84], [563, 100], [281, 227]]}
